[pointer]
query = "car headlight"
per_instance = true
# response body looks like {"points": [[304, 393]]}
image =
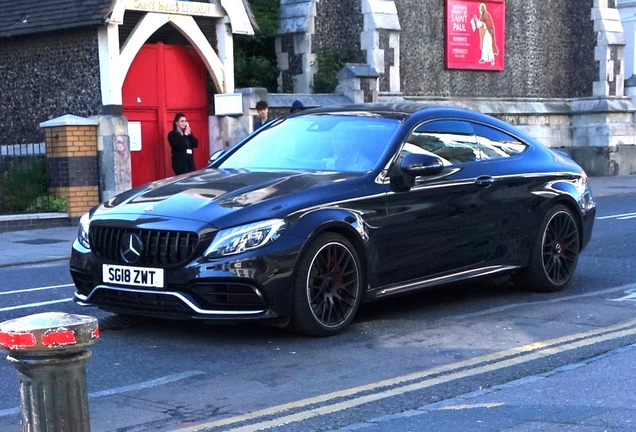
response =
{"points": [[82, 231], [245, 238]]}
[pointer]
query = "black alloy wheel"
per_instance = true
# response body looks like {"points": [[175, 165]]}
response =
{"points": [[328, 286], [560, 248], [555, 253]]}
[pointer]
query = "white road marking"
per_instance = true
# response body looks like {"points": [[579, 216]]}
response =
{"points": [[139, 386], [9, 412], [619, 216], [36, 289], [631, 296], [34, 305], [472, 406], [147, 384], [626, 288], [38, 304]]}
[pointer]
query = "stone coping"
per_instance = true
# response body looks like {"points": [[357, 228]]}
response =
{"points": [[285, 100], [533, 105], [32, 216], [69, 120]]}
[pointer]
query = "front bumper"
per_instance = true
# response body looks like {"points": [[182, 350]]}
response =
{"points": [[254, 286]]}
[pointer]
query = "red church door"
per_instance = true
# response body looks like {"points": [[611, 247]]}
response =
{"points": [[162, 81]]}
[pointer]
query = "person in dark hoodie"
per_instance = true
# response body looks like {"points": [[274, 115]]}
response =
{"points": [[297, 106]]}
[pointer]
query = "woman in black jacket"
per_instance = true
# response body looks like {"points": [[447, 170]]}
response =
{"points": [[182, 142]]}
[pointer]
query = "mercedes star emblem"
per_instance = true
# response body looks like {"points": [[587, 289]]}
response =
{"points": [[131, 248]]}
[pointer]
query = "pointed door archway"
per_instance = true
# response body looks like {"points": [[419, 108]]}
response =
{"points": [[164, 80]]}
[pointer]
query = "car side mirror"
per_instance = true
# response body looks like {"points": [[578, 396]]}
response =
{"points": [[415, 165], [217, 154]]}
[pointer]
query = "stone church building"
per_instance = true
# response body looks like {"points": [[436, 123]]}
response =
{"points": [[121, 69], [563, 81]]}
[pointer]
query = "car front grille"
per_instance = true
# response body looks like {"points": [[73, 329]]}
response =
{"points": [[160, 248]]}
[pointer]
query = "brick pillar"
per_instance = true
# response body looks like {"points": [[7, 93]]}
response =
{"points": [[71, 155]]}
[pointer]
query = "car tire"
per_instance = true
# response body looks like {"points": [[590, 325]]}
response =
{"points": [[554, 254], [327, 286]]}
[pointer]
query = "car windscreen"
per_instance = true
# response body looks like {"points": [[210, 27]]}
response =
{"points": [[316, 142]]}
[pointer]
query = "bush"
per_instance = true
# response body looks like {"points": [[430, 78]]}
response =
{"points": [[329, 63], [256, 71], [23, 183], [48, 203], [255, 56]]}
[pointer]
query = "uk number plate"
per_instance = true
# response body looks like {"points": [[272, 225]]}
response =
{"points": [[135, 276]]}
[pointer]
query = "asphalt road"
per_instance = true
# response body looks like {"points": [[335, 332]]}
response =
{"points": [[400, 355]]}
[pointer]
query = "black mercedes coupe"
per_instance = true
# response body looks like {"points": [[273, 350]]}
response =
{"points": [[327, 208]]}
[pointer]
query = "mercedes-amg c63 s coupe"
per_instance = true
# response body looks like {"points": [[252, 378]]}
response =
{"points": [[327, 208]]}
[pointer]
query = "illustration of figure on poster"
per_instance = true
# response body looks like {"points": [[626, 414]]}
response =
{"points": [[487, 42]]}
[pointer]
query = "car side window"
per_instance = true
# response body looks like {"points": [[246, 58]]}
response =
{"points": [[495, 144], [453, 141]]}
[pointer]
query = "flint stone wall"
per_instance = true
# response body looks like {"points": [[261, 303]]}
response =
{"points": [[334, 34], [549, 52], [44, 77], [338, 25]]}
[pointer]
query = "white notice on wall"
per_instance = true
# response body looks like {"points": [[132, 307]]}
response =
{"points": [[228, 104], [134, 135]]}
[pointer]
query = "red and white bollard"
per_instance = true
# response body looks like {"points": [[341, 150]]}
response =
{"points": [[50, 351]]}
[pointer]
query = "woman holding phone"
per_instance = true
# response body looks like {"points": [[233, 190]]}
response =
{"points": [[182, 141]]}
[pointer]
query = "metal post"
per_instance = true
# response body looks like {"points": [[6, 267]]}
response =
{"points": [[50, 351]]}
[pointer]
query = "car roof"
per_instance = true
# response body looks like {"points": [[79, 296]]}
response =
{"points": [[399, 110], [421, 111]]}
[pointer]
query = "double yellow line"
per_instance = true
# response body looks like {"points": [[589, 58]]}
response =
{"points": [[418, 380]]}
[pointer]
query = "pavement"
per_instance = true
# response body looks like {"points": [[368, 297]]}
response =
{"points": [[594, 395], [36, 246]]}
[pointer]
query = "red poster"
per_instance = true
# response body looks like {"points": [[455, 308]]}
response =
{"points": [[475, 34]]}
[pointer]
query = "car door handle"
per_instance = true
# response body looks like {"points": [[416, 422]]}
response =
{"points": [[484, 181]]}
